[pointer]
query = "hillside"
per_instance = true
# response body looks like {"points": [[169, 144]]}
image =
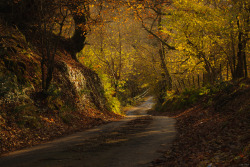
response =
{"points": [[69, 65], [214, 131], [74, 101]]}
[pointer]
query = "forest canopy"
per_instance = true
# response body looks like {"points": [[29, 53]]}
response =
{"points": [[160, 44]]}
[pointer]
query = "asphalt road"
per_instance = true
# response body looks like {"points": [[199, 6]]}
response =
{"points": [[134, 141]]}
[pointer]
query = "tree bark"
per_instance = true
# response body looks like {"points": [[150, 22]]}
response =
{"points": [[166, 75], [239, 73]]}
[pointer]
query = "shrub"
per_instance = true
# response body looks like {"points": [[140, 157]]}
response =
{"points": [[113, 103], [190, 96]]}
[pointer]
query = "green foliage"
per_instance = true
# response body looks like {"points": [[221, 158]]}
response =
{"points": [[24, 114], [192, 95], [85, 91], [65, 113], [54, 98], [7, 84], [15, 100], [188, 98], [66, 117], [132, 101], [112, 102], [11, 91], [2, 122], [29, 121]]}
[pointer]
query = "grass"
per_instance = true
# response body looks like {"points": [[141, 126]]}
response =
{"points": [[191, 96]]}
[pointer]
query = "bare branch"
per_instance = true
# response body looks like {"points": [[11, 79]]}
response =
{"points": [[157, 37], [181, 73]]}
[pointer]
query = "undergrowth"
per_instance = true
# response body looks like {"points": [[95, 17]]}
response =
{"points": [[113, 103], [214, 130], [191, 96]]}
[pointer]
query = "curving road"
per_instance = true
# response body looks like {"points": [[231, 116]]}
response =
{"points": [[134, 141]]}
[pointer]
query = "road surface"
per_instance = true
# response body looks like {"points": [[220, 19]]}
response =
{"points": [[132, 142]]}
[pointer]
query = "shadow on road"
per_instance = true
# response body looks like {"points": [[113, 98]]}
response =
{"points": [[134, 141]]}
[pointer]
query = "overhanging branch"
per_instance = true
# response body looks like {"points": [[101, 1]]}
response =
{"points": [[156, 36]]}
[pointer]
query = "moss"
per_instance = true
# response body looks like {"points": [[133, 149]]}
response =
{"points": [[29, 121]]}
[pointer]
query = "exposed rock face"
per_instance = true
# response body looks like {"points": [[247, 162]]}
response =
{"points": [[74, 83], [28, 116], [84, 84]]}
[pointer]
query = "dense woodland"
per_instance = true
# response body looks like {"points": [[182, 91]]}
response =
{"points": [[140, 44], [82, 60]]}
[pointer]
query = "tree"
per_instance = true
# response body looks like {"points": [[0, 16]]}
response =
{"points": [[49, 19], [106, 43], [240, 12]]}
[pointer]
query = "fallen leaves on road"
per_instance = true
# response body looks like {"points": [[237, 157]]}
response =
{"points": [[51, 126]]}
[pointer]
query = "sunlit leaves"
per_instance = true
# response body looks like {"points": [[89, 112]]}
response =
{"points": [[197, 28]]}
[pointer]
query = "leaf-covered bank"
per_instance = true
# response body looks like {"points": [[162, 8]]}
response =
{"points": [[214, 134], [75, 99]]}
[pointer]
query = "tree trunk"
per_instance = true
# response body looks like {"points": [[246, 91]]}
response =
{"points": [[245, 65], [233, 60], [76, 43], [242, 42], [239, 73], [166, 76]]}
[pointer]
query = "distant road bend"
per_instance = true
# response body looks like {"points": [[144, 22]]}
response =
{"points": [[132, 142]]}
